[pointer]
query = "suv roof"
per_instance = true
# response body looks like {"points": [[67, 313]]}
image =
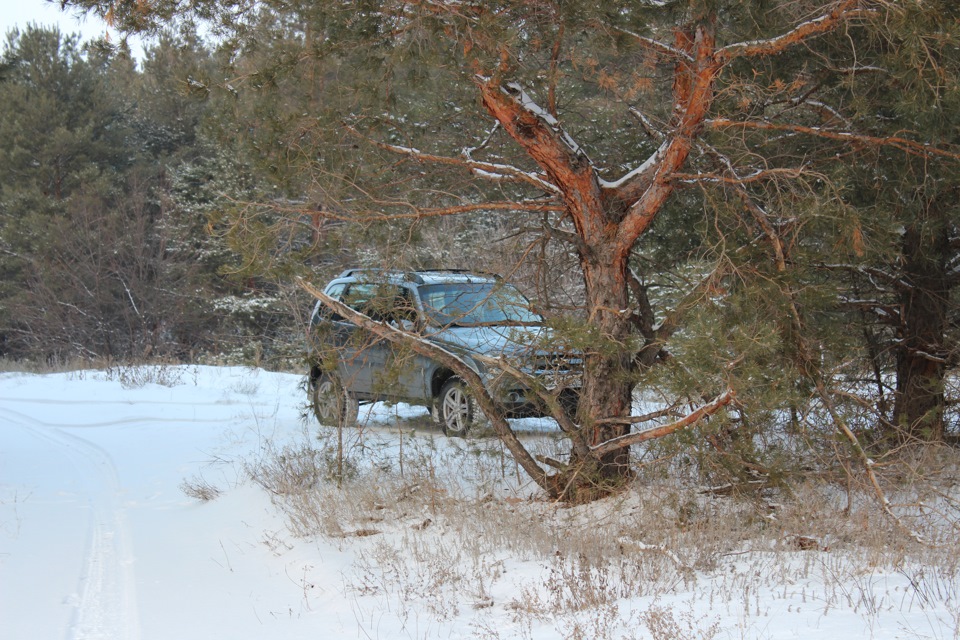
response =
{"points": [[427, 276]]}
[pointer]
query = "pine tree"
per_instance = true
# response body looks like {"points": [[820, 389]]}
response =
{"points": [[88, 230], [909, 85]]}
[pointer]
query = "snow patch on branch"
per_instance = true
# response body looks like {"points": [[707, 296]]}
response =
{"points": [[515, 91], [647, 164], [657, 45], [487, 170], [749, 44]]}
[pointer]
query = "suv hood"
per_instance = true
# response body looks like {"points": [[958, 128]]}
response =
{"points": [[511, 341]]}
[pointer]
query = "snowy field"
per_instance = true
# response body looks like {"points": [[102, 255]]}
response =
{"points": [[129, 510]]}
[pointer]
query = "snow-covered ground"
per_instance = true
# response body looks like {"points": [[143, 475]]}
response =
{"points": [[99, 539]]}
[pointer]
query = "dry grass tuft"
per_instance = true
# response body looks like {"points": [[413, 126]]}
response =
{"points": [[452, 517], [200, 489]]}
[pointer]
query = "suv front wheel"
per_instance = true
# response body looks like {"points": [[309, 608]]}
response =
{"points": [[456, 410], [333, 405]]}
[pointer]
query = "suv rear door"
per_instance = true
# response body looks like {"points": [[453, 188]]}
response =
{"points": [[354, 350], [369, 366]]}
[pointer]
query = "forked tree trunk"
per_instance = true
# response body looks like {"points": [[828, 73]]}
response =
{"points": [[608, 219]]}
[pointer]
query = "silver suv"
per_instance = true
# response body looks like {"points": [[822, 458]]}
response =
{"points": [[477, 316]]}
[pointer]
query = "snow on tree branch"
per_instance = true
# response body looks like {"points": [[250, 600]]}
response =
{"points": [[647, 124], [535, 131], [516, 91], [488, 170], [656, 45], [811, 28], [645, 167], [872, 274]]}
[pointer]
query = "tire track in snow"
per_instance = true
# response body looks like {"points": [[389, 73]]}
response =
{"points": [[105, 606], [140, 419], [214, 403]]}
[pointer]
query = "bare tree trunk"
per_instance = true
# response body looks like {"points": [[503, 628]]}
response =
{"points": [[921, 351], [607, 380]]}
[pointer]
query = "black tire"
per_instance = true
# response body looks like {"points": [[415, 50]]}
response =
{"points": [[332, 404], [456, 411]]}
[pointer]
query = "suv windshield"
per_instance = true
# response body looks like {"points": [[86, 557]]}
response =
{"points": [[469, 304]]}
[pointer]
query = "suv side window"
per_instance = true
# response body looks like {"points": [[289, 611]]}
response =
{"points": [[404, 309], [359, 297], [334, 292], [382, 302]]}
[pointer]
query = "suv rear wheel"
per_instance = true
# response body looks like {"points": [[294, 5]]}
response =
{"points": [[332, 404], [456, 410]]}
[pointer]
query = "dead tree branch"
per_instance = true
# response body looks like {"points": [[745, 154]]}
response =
{"points": [[692, 418], [911, 147]]}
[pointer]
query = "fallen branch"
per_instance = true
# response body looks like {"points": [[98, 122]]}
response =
{"points": [[868, 463]]}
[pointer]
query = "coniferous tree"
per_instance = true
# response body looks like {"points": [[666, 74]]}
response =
{"points": [[91, 237], [908, 86], [58, 140]]}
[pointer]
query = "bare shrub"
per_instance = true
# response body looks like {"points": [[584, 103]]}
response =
{"points": [[245, 387], [137, 376], [294, 469], [452, 515]]}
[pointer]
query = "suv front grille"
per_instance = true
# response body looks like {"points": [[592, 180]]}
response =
{"points": [[557, 364]]}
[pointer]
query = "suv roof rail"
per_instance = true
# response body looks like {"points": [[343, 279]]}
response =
{"points": [[467, 272], [415, 276], [409, 275]]}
